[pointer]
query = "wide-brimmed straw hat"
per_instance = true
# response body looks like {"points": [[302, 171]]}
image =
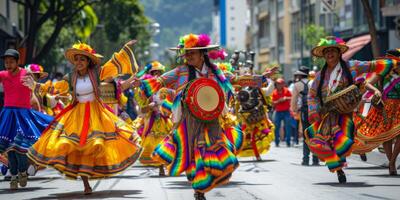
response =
{"points": [[156, 66], [36, 69], [83, 49], [328, 42], [193, 41]]}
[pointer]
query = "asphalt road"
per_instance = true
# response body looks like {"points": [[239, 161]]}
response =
{"points": [[278, 176]]}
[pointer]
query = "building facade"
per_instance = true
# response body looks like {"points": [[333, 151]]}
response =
{"points": [[274, 28], [12, 25], [229, 23]]}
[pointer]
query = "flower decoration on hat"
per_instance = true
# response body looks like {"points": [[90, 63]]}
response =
{"points": [[155, 65], [34, 68], [328, 42], [84, 47], [192, 40]]}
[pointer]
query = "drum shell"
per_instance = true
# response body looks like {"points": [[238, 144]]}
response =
{"points": [[189, 101], [345, 101]]}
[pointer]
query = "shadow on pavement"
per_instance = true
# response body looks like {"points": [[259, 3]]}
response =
{"points": [[255, 161], [187, 185], [355, 184], [238, 183], [25, 189], [382, 176], [364, 168], [95, 195], [299, 164]]}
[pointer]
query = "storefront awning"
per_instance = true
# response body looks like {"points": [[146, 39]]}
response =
{"points": [[355, 45]]}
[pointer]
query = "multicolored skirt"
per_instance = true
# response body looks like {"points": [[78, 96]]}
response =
{"points": [[202, 150], [258, 138], [86, 139], [332, 139], [154, 131], [379, 126], [20, 128]]}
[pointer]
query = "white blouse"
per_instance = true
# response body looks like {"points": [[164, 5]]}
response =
{"points": [[84, 90]]}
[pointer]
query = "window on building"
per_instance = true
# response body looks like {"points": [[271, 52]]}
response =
{"points": [[232, 28], [280, 5], [295, 27], [264, 28]]}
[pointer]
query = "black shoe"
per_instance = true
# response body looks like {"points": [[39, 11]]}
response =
{"points": [[199, 196], [341, 176], [363, 157], [277, 145], [304, 163], [315, 163]]}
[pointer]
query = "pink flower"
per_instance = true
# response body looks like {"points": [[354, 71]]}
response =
{"points": [[203, 41], [215, 54], [35, 68]]}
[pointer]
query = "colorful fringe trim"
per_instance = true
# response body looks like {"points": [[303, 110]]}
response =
{"points": [[375, 128], [212, 164], [174, 151], [332, 148]]}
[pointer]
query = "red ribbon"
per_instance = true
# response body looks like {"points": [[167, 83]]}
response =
{"points": [[85, 127]]}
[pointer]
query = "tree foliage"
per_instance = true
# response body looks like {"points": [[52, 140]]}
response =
{"points": [[312, 34], [61, 13], [54, 25]]}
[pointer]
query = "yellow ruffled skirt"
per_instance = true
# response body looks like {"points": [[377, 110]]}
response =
{"points": [[258, 138], [152, 135], [86, 139]]}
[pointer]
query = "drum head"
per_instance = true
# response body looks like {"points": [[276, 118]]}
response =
{"points": [[204, 99], [207, 98]]}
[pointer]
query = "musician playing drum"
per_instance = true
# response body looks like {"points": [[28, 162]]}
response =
{"points": [[331, 135], [198, 144]]}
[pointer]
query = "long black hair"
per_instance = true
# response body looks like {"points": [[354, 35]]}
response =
{"points": [[192, 70], [347, 74]]}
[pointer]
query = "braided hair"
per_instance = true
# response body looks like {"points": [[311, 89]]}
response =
{"points": [[347, 74]]}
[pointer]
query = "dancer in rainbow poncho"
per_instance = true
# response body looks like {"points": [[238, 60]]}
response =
{"points": [[205, 151], [331, 135]]}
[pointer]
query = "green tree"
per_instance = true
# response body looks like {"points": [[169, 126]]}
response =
{"points": [[59, 14], [312, 34], [121, 21]]}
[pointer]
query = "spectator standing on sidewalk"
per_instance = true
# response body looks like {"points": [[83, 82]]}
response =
{"points": [[281, 102], [299, 107]]}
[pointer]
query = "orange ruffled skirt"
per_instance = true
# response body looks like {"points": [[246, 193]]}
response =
{"points": [[379, 126], [86, 139]]}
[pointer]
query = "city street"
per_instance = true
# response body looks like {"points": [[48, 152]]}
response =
{"points": [[278, 176]]}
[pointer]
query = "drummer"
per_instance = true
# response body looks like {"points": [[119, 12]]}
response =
{"points": [[194, 136], [331, 135]]}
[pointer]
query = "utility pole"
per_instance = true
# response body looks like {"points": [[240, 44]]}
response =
{"points": [[301, 29]]}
